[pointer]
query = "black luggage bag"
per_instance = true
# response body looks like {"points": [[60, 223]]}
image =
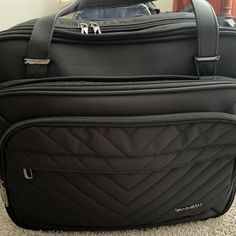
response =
{"points": [[122, 124]]}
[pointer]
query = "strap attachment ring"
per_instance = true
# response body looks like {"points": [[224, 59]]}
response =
{"points": [[214, 59], [29, 61]]}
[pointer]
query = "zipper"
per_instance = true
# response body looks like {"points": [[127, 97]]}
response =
{"points": [[95, 27], [111, 88], [139, 28], [111, 25], [130, 87], [109, 80], [165, 118], [98, 28], [105, 121], [131, 121], [28, 174], [115, 33], [84, 28]]}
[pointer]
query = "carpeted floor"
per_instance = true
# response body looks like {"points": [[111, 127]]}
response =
{"points": [[225, 225]]}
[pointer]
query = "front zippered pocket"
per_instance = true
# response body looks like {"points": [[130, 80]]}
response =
{"points": [[92, 31], [142, 28], [133, 24], [117, 27], [108, 172]]}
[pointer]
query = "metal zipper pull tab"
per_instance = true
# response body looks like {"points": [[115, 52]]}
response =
{"points": [[84, 28], [96, 28], [28, 174], [3, 193]]}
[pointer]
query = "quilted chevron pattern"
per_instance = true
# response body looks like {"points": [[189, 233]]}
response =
{"points": [[113, 176]]}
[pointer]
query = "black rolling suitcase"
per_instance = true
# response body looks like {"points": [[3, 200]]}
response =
{"points": [[124, 123]]}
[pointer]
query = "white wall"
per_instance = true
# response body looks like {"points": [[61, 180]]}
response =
{"points": [[13, 12], [165, 5]]}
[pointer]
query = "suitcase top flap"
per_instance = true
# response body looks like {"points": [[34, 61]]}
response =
{"points": [[208, 39]]}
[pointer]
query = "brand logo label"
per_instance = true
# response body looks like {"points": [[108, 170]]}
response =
{"points": [[187, 208]]}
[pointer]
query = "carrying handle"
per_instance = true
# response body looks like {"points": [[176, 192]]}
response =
{"points": [[207, 29]]}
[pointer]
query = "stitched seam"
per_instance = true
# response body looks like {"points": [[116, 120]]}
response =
{"points": [[111, 142], [206, 194], [130, 134], [211, 126], [198, 200], [91, 198], [62, 176], [145, 156], [141, 181], [182, 187], [170, 141], [201, 150], [152, 139], [90, 148], [108, 164], [100, 189], [51, 199], [54, 141], [183, 176]]}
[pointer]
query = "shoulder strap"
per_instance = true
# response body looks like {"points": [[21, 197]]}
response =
{"points": [[208, 39], [40, 42]]}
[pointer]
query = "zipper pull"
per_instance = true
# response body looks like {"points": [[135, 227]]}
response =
{"points": [[28, 174], [3, 193], [84, 28], [96, 28]]}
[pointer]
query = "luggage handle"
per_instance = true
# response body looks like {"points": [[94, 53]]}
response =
{"points": [[207, 29]]}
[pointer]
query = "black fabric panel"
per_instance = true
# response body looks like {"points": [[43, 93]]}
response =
{"points": [[133, 59], [97, 176], [207, 35], [85, 4], [29, 106], [110, 154]]}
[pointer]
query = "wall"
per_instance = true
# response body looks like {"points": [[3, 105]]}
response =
{"points": [[13, 12], [165, 5]]}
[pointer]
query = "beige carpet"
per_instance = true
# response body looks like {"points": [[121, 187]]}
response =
{"points": [[225, 225]]}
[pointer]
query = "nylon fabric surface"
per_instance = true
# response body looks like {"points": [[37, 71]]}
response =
{"points": [[124, 176]]}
